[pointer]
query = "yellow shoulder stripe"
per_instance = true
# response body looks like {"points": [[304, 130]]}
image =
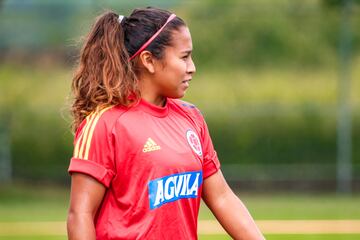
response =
{"points": [[88, 141], [79, 141], [82, 147]]}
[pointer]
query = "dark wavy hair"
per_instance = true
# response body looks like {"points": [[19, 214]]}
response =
{"points": [[105, 76]]}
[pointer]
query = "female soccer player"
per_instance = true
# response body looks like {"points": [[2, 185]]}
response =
{"points": [[142, 158]]}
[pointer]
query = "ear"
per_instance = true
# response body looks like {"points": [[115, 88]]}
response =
{"points": [[148, 61]]}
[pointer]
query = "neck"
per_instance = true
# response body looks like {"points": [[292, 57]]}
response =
{"points": [[158, 101], [149, 93]]}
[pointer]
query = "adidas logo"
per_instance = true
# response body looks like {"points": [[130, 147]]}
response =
{"points": [[150, 146]]}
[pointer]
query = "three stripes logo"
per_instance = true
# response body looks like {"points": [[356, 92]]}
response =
{"points": [[82, 146], [150, 146]]}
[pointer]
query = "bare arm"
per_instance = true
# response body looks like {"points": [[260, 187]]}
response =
{"points": [[85, 198], [228, 209]]}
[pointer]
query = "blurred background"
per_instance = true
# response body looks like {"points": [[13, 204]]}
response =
{"points": [[277, 81]]}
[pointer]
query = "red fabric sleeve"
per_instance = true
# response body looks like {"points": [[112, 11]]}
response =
{"points": [[93, 169], [94, 149], [211, 162]]}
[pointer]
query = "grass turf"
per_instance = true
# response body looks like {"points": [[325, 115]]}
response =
{"points": [[22, 203], [292, 206], [291, 237], [224, 237]]}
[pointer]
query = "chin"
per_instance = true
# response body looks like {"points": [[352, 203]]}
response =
{"points": [[180, 95], [176, 95]]}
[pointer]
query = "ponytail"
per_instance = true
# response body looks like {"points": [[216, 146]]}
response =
{"points": [[104, 76]]}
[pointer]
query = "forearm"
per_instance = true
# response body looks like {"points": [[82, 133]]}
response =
{"points": [[235, 218], [80, 226]]}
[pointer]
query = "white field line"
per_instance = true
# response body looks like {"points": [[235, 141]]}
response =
{"points": [[291, 226], [32, 228], [205, 227]]}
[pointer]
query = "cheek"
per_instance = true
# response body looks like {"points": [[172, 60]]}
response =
{"points": [[179, 67], [173, 73]]}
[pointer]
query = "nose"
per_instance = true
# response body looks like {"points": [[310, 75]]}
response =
{"points": [[191, 67]]}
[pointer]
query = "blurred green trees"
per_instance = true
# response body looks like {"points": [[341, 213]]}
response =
{"points": [[236, 32], [266, 79]]}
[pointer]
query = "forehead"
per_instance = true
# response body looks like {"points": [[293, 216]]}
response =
{"points": [[181, 39]]}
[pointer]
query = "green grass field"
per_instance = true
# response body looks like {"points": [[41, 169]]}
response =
{"points": [[289, 237], [37, 204], [239, 89], [220, 237]]}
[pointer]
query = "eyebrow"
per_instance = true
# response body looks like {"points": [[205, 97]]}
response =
{"points": [[186, 51]]}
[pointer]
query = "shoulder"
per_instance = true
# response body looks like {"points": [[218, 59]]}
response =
{"points": [[187, 108], [101, 120], [109, 115]]}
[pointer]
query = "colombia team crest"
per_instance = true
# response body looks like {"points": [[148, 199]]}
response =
{"points": [[194, 142]]}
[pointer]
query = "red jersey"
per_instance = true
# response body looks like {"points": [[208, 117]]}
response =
{"points": [[153, 161]]}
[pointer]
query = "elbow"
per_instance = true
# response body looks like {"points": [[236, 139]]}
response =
{"points": [[71, 222], [76, 220], [218, 202], [80, 225]]}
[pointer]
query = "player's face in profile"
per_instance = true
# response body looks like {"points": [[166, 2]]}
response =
{"points": [[176, 68]]}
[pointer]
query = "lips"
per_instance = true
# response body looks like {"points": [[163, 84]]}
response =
{"points": [[186, 83]]}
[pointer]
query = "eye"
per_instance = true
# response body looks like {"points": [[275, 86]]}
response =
{"points": [[185, 57]]}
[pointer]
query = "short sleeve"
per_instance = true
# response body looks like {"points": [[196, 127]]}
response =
{"points": [[94, 149], [211, 163]]}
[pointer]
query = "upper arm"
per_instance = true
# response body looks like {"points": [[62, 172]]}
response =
{"points": [[215, 188], [94, 148], [92, 166], [231, 213], [86, 194]]}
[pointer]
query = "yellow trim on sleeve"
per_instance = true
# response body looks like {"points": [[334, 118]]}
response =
{"points": [[77, 145], [85, 135], [78, 141], [91, 132]]}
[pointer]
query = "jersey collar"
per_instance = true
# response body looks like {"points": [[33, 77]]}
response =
{"points": [[153, 109]]}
